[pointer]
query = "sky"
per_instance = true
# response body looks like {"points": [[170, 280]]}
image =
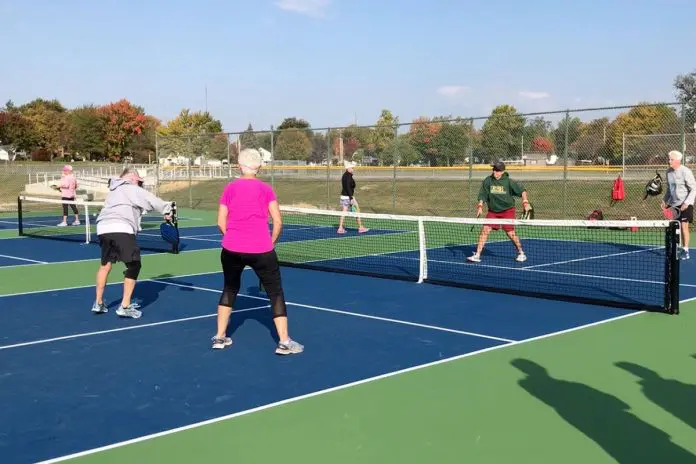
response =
{"points": [[336, 62]]}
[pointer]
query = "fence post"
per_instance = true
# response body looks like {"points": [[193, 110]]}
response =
{"points": [[565, 162], [470, 149], [229, 160], [328, 172], [188, 168], [157, 164], [623, 155], [272, 158], [683, 131], [395, 160]]}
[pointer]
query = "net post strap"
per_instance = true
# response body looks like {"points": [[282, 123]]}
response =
{"points": [[423, 253]]}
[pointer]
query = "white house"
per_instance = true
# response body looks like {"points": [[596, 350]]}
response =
{"points": [[6, 154], [266, 156]]}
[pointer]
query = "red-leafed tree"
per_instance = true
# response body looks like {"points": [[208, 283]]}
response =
{"points": [[541, 145], [422, 134], [350, 146], [122, 122]]}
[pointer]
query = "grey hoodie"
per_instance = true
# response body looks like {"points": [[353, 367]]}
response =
{"points": [[681, 187], [125, 205]]}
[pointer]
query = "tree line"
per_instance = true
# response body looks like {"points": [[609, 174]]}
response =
{"points": [[45, 130]]}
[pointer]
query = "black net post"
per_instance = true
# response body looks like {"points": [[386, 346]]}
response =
{"points": [[20, 227], [672, 241]]}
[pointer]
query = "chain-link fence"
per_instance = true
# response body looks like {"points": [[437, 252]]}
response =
{"points": [[567, 160]]}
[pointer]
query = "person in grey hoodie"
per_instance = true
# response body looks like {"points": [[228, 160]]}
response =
{"points": [[680, 194], [118, 225]]}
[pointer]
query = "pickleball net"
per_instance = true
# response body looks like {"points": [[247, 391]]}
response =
{"points": [[627, 264], [40, 217]]}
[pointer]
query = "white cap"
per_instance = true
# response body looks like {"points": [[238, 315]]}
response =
{"points": [[349, 164]]}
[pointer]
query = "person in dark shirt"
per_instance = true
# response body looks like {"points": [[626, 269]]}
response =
{"points": [[347, 196], [498, 192]]}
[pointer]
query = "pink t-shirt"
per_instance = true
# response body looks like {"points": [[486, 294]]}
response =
{"points": [[68, 186], [248, 228]]}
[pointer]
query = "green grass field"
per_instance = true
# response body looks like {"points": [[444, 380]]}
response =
{"points": [[551, 199]]}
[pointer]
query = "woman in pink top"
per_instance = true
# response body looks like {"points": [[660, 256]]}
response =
{"points": [[245, 206], [68, 189]]}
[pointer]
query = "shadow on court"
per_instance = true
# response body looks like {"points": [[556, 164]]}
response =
{"points": [[675, 397], [602, 417], [259, 316], [148, 292]]}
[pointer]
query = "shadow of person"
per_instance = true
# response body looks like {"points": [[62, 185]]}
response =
{"points": [[602, 417], [675, 397], [148, 292], [261, 316]]}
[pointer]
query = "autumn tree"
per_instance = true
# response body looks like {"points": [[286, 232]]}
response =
{"points": [[320, 148], [15, 129], [644, 119], [570, 124], [383, 136], [87, 132], [49, 125], [452, 141], [122, 122], [501, 134], [592, 141], [685, 85], [193, 134], [142, 147], [541, 145], [422, 133], [248, 139], [293, 144]]}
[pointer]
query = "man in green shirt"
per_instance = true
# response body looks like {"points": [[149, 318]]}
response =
{"points": [[498, 192]]}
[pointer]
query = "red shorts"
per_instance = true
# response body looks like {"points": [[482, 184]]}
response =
{"points": [[507, 214]]}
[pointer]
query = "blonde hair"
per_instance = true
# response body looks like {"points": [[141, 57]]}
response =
{"points": [[249, 161]]}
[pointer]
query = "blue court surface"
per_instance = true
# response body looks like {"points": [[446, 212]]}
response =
{"points": [[71, 246], [73, 381]]}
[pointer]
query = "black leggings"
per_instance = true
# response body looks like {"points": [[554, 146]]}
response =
{"points": [[266, 267], [65, 206]]}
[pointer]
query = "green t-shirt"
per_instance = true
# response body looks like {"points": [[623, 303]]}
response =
{"points": [[499, 193]]}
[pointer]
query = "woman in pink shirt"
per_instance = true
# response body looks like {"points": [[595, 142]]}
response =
{"points": [[68, 189], [245, 206]]}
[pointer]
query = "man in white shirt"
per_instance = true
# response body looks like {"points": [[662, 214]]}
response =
{"points": [[680, 194]]}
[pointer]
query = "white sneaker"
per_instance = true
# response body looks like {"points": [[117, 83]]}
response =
{"points": [[521, 258], [289, 347], [76, 222], [220, 343], [475, 258], [63, 224]]}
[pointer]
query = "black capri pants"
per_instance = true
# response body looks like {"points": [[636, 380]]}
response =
{"points": [[266, 267], [72, 206]]}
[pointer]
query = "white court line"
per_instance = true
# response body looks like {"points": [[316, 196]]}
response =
{"points": [[14, 266], [121, 329], [592, 257], [22, 259], [348, 313], [77, 287], [327, 390]]}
